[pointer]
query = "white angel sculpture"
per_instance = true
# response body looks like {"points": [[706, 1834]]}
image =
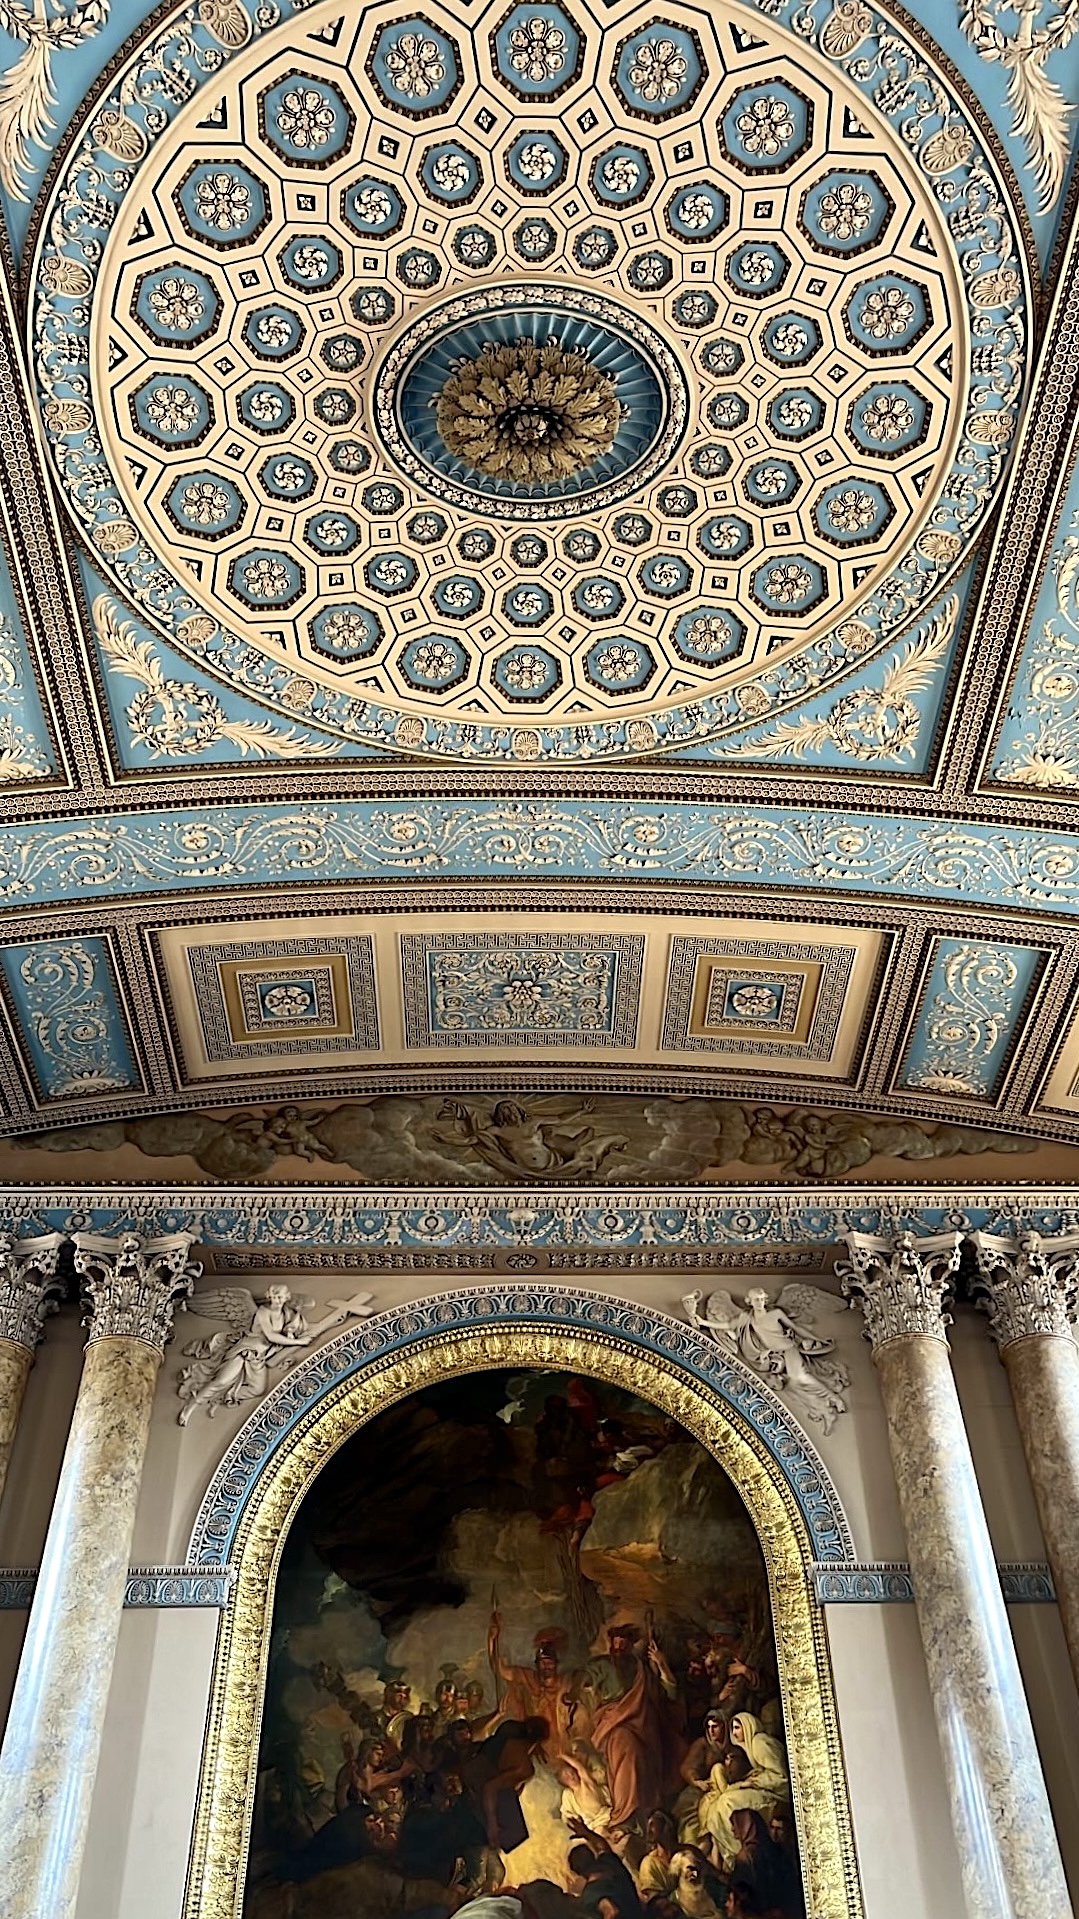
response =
{"points": [[263, 1336], [775, 1339]]}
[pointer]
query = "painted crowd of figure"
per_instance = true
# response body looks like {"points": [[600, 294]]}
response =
{"points": [[662, 1756]]}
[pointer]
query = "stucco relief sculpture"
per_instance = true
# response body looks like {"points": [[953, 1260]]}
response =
{"points": [[392, 1138], [1042, 114], [262, 1336], [777, 1338]]}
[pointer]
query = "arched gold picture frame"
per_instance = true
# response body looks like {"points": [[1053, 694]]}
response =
{"points": [[215, 1886]]}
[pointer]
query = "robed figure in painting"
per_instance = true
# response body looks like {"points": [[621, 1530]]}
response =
{"points": [[522, 1667]]}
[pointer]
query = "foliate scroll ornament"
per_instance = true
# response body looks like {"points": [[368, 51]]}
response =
{"points": [[903, 1285], [1042, 115], [30, 1288], [131, 1287], [262, 1336], [1027, 1285]]}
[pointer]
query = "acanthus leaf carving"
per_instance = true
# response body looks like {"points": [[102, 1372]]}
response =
{"points": [[870, 724], [1041, 115], [26, 89], [132, 1286], [171, 717], [1027, 1285], [903, 1285], [30, 1286]]}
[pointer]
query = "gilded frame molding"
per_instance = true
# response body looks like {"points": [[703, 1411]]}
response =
{"points": [[228, 1775]]}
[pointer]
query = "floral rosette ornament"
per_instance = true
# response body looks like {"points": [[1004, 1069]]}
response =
{"points": [[530, 413]]}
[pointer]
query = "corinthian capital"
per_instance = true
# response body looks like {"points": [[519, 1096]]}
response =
{"points": [[903, 1285], [29, 1287], [1027, 1285], [131, 1286]]}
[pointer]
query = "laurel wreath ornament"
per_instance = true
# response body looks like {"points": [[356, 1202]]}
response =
{"points": [[529, 413]]}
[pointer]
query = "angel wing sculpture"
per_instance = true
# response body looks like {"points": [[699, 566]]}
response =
{"points": [[776, 1338], [261, 1336]]}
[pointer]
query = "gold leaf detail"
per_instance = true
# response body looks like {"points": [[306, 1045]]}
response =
{"points": [[529, 413]]}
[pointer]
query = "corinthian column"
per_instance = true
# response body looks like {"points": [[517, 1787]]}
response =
{"points": [[1008, 1851], [29, 1291], [53, 1739], [1028, 1287]]}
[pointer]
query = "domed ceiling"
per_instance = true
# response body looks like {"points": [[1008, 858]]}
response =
{"points": [[540, 560]]}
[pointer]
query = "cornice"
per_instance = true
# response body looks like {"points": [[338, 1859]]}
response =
{"points": [[529, 1221]]}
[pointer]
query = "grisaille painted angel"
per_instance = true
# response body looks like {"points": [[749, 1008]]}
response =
{"points": [[262, 1336], [776, 1338]]}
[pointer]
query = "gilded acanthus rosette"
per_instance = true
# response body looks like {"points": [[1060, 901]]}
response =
{"points": [[30, 1288], [131, 1286], [1027, 1285], [903, 1285]]}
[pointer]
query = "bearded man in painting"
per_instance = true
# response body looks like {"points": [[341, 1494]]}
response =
{"points": [[635, 1724]]}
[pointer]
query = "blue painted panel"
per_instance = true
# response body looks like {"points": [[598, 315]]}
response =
{"points": [[969, 1011], [1037, 746], [883, 717], [759, 847], [162, 716], [68, 1011]]}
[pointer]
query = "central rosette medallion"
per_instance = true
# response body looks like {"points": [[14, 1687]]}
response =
{"points": [[529, 413], [557, 388], [530, 395]]}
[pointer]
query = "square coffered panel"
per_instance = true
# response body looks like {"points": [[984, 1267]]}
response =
{"points": [[284, 996]]}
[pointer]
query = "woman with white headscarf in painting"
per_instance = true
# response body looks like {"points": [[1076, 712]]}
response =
{"points": [[752, 1774]]}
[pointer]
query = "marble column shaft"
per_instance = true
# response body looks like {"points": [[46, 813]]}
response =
{"points": [[29, 1289], [1008, 1852], [1027, 1286], [52, 1743]]}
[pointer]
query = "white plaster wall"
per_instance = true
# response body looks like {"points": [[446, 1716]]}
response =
{"points": [[144, 1797], [136, 1859], [906, 1853], [181, 1461]]}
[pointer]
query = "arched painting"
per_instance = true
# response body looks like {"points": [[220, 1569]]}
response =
{"points": [[523, 1663]]}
